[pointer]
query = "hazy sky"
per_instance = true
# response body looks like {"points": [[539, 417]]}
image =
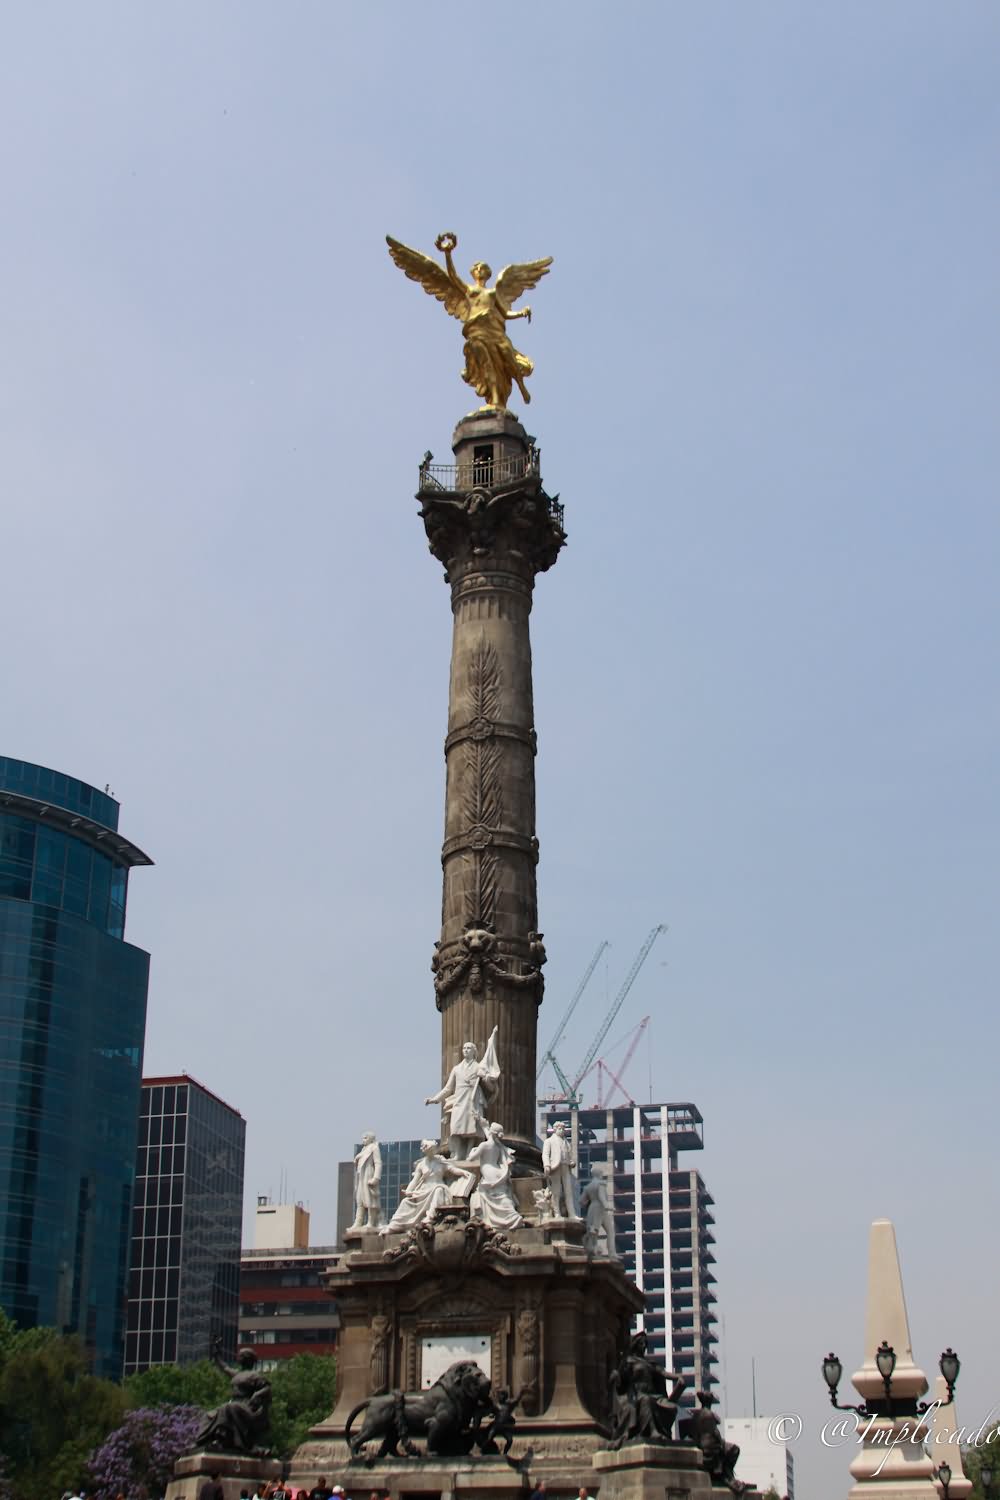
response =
{"points": [[765, 665]]}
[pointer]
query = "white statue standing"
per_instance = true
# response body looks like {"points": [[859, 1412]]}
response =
{"points": [[558, 1164], [493, 1198], [367, 1177], [467, 1091], [596, 1203]]}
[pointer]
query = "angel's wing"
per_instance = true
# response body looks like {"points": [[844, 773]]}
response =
{"points": [[432, 277], [513, 280]]}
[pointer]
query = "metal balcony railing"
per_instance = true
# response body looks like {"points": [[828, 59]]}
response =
{"points": [[476, 474], [491, 474]]}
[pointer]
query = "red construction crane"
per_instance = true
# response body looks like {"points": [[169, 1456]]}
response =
{"points": [[604, 1067]]}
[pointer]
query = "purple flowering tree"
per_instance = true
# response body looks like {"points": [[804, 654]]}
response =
{"points": [[137, 1459]]}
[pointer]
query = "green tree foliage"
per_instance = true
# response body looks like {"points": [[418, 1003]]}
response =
{"points": [[52, 1411], [202, 1384], [303, 1391], [974, 1457]]}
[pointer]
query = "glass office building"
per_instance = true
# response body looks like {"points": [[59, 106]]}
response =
{"points": [[72, 1021], [184, 1281]]}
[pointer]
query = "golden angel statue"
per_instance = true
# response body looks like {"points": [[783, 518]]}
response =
{"points": [[492, 364]]}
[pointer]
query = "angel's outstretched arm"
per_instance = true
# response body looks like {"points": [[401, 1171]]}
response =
{"points": [[453, 274], [513, 280], [440, 281], [447, 243]]}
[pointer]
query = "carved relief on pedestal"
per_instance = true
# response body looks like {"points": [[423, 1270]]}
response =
{"points": [[443, 1311], [527, 1362], [452, 1243], [378, 1362]]}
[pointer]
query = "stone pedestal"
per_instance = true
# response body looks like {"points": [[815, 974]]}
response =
{"points": [[647, 1471], [429, 1478], [236, 1474], [548, 1318]]}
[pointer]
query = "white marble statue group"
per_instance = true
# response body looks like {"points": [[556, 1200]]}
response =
{"points": [[478, 1166]]}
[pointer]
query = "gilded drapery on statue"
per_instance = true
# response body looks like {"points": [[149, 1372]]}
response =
{"points": [[492, 364]]}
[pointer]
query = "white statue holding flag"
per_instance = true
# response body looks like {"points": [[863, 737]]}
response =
{"points": [[470, 1086]]}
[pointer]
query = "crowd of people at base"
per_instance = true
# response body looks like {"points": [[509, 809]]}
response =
{"points": [[278, 1490], [540, 1492]]}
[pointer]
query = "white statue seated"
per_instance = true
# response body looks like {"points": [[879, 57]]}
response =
{"points": [[493, 1198], [428, 1189]]}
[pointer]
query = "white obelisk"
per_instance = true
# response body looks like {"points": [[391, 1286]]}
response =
{"points": [[892, 1464]]}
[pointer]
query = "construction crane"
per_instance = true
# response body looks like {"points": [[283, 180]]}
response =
{"points": [[604, 1067], [571, 1090], [549, 1054], [616, 1006]]}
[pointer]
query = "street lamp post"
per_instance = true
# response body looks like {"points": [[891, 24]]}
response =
{"points": [[890, 1405]]}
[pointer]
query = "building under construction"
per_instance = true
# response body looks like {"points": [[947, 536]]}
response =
{"points": [[663, 1222]]}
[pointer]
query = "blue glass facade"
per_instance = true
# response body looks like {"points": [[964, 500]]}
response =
{"points": [[72, 1020]]}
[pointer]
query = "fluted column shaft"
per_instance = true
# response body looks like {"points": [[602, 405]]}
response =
{"points": [[494, 530]]}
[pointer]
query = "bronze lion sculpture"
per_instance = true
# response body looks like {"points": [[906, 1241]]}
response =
{"points": [[446, 1414]]}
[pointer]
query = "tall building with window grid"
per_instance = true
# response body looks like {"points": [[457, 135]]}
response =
{"points": [[184, 1279], [72, 1019], [663, 1223]]}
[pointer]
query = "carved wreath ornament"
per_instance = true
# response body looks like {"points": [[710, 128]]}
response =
{"points": [[450, 1243]]}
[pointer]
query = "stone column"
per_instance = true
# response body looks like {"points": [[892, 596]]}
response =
{"points": [[490, 523]]}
